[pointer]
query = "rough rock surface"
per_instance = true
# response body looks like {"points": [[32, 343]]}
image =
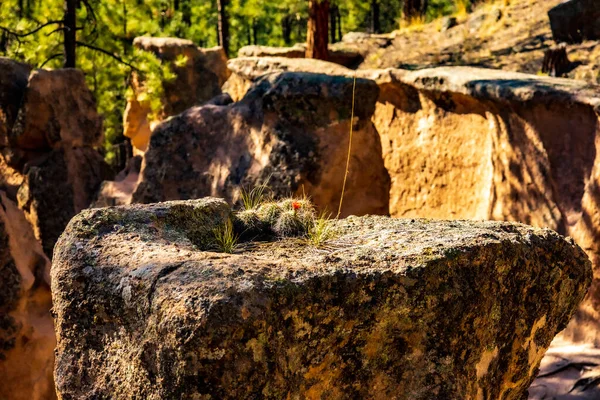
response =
{"points": [[26, 329], [406, 309], [482, 144], [291, 130], [196, 82], [471, 143], [58, 187], [574, 21]]}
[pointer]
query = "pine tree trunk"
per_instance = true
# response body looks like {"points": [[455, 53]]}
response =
{"points": [[70, 33], [333, 23], [186, 10], [556, 62], [286, 29], [223, 27], [318, 33], [375, 25], [255, 31]]}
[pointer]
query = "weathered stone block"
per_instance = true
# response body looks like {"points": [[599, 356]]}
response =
{"points": [[405, 309]]}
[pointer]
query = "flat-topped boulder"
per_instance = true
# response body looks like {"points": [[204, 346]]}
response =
{"points": [[246, 70], [408, 309]]}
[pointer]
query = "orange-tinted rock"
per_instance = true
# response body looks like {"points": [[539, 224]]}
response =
{"points": [[339, 53], [26, 328], [58, 109], [291, 130], [119, 191], [483, 144]]}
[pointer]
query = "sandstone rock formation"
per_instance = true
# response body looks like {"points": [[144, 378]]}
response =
{"points": [[196, 82], [481, 144], [49, 171], [291, 130], [407, 309], [57, 110], [575, 20]]}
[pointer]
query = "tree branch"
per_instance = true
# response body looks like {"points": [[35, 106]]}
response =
{"points": [[52, 57], [21, 35], [108, 53]]}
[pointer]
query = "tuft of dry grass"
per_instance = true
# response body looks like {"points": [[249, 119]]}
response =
{"points": [[225, 238], [321, 232], [254, 198]]}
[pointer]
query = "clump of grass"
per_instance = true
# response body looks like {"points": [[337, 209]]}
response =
{"points": [[225, 238], [254, 198], [320, 232]]}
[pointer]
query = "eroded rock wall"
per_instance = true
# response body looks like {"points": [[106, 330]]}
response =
{"points": [[469, 143], [480, 144]]}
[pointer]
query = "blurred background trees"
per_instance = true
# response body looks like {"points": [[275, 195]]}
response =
{"points": [[97, 35]]}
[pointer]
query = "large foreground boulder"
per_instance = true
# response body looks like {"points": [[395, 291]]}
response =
{"points": [[291, 131], [196, 81], [405, 309], [575, 20]]}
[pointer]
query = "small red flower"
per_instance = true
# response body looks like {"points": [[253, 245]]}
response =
{"points": [[296, 205]]}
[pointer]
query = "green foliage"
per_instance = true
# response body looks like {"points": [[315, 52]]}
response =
{"points": [[113, 24], [254, 198], [225, 238], [320, 232]]}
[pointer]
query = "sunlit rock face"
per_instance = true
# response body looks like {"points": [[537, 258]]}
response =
{"points": [[407, 309]]}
